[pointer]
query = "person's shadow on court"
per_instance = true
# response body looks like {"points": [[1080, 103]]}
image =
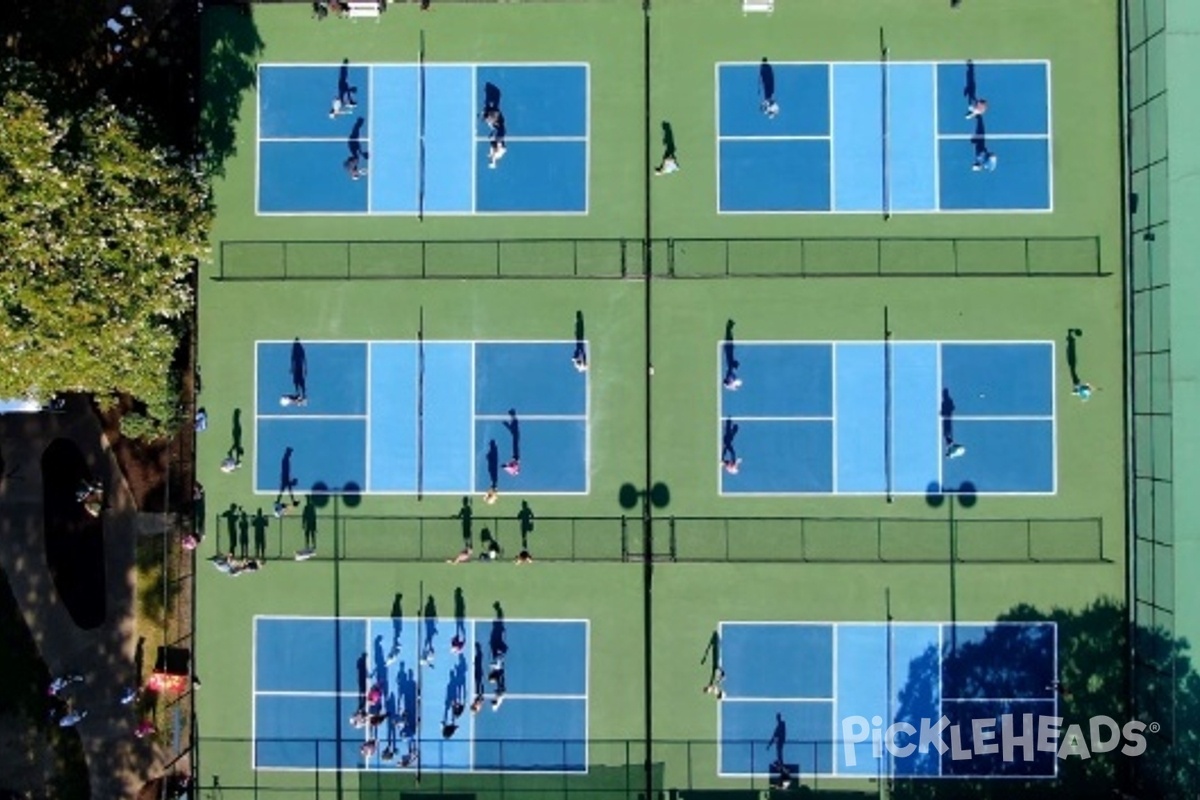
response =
{"points": [[466, 515], [1073, 354], [355, 140], [491, 98], [497, 639], [236, 451], [489, 545], [397, 615], [308, 522], [259, 523], [244, 534], [969, 91], [777, 741], [579, 357], [456, 692], [231, 522], [729, 348], [360, 667], [513, 425], [979, 144], [766, 82], [460, 618], [712, 655], [525, 522], [346, 92], [431, 630], [299, 369], [728, 453], [947, 414], [668, 141], [287, 483], [380, 670], [493, 464]]}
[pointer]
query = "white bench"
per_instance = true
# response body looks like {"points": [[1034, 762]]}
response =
{"points": [[357, 9], [758, 6]]}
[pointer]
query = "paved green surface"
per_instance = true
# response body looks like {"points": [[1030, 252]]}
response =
{"points": [[686, 321]]}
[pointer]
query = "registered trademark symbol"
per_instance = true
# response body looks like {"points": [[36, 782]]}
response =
{"points": [[1154, 727]]}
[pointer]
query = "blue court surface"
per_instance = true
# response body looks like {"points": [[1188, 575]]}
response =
{"points": [[422, 139], [813, 677], [407, 417], [905, 418], [311, 674], [873, 137]]}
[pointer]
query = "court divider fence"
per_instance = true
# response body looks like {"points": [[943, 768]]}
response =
{"points": [[690, 539], [1047, 256], [616, 769], [507, 258]]}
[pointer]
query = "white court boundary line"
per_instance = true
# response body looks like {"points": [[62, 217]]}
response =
{"points": [[258, 139], [370, 147], [474, 422], [367, 444], [474, 154], [587, 145]]}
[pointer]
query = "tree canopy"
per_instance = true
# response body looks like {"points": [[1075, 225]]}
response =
{"points": [[100, 229]]}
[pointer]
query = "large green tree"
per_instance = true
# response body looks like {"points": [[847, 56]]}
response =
{"points": [[100, 229]]}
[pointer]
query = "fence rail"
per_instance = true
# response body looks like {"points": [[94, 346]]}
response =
{"points": [[496, 258], [881, 540], [435, 539], [818, 540], [615, 769], [882, 257], [672, 258]]}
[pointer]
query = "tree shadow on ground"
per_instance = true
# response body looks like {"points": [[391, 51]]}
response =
{"points": [[23, 703], [151, 64], [1090, 682], [74, 539], [232, 46]]}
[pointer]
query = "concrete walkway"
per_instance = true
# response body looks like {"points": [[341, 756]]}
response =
{"points": [[118, 763]]}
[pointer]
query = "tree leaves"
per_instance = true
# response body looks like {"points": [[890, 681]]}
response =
{"points": [[100, 230]]}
